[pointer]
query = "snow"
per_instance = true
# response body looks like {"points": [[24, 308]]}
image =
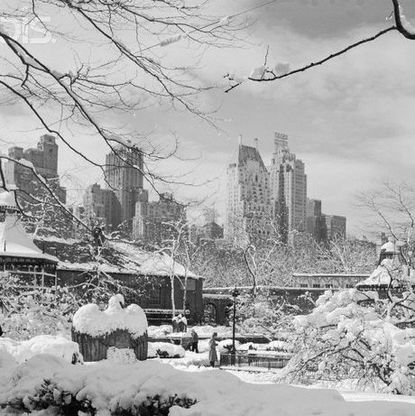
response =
{"points": [[257, 73], [167, 350], [26, 163], [204, 331], [8, 199], [14, 241], [121, 355], [21, 351], [135, 260], [382, 274], [88, 319], [282, 68], [226, 344], [171, 39], [225, 20], [112, 388]]}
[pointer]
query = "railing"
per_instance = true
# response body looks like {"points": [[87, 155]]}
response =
{"points": [[254, 360]]}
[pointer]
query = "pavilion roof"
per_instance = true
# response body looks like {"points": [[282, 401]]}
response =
{"points": [[15, 242]]}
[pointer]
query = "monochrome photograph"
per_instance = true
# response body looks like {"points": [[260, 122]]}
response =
{"points": [[207, 207]]}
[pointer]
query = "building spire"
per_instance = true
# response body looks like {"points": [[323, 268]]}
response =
{"points": [[240, 139]]}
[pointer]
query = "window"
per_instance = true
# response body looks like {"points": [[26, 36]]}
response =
{"points": [[191, 284], [316, 285], [154, 296], [303, 284]]}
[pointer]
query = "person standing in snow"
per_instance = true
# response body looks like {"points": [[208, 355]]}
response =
{"points": [[182, 323], [213, 355], [175, 324], [195, 341], [1, 331]]}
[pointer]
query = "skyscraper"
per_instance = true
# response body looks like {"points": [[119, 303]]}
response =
{"points": [[335, 226], [288, 183], [123, 172], [316, 225], [102, 205], [249, 209], [43, 159]]}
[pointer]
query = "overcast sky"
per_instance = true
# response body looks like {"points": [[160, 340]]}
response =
{"points": [[352, 121]]}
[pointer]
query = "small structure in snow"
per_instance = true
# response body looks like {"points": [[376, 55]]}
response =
{"points": [[96, 331], [18, 253]]}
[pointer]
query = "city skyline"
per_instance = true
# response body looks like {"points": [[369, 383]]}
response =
{"points": [[338, 118]]}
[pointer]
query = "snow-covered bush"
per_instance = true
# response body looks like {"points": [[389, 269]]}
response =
{"points": [[53, 387], [355, 335], [167, 350], [25, 313], [260, 315], [57, 346]]}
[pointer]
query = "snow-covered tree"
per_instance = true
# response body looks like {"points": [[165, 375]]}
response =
{"points": [[357, 337]]}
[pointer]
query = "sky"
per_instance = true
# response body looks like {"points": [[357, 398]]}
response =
{"points": [[351, 120]]}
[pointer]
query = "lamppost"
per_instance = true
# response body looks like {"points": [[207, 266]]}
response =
{"points": [[235, 294]]}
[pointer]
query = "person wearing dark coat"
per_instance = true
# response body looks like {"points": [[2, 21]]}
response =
{"points": [[1, 331], [195, 341], [213, 355]]}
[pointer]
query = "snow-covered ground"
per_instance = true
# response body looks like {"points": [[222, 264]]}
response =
{"points": [[119, 384], [110, 387]]}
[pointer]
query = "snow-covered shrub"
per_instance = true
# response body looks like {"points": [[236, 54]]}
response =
{"points": [[261, 315], [25, 313], [168, 350], [45, 382], [151, 351], [144, 388], [56, 346], [355, 335]]}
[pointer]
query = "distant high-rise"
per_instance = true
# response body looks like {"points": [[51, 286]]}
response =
{"points": [[321, 226], [288, 183], [43, 159], [248, 210], [102, 206], [124, 175], [154, 221], [315, 224], [335, 226]]}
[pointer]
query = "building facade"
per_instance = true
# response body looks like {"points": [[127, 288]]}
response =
{"points": [[315, 222], [124, 175], [102, 206], [43, 159], [154, 221], [321, 226], [288, 183], [249, 212], [335, 226]]}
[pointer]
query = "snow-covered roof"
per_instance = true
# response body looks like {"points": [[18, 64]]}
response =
{"points": [[15, 242], [135, 260], [381, 275]]}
